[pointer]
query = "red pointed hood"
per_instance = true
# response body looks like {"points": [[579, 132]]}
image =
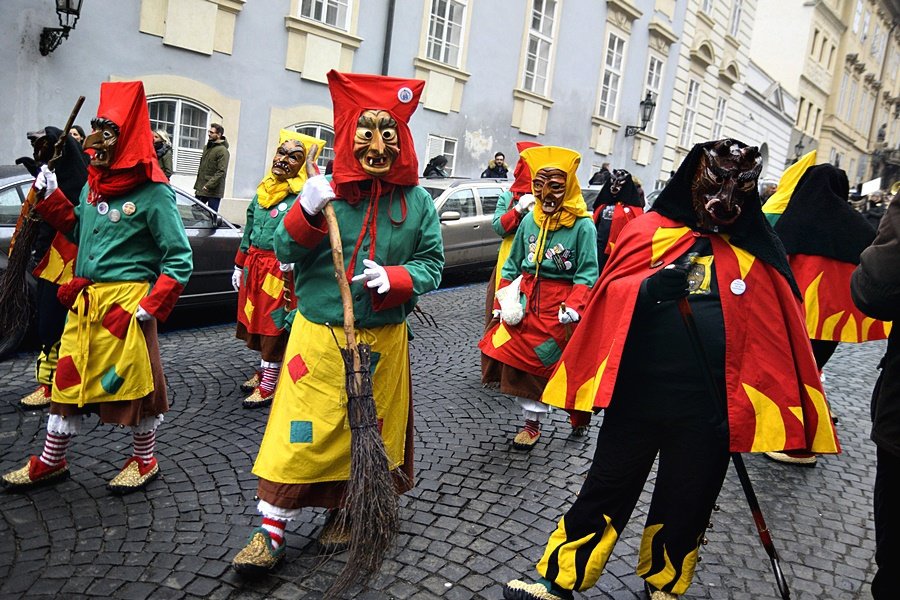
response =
{"points": [[522, 174]]}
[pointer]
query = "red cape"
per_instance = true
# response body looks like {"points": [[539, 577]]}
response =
{"points": [[774, 396], [622, 215]]}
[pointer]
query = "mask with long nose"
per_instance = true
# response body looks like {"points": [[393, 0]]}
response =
{"points": [[549, 187], [102, 140], [726, 178], [376, 145]]}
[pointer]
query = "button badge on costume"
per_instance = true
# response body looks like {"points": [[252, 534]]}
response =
{"points": [[115, 215], [102, 208], [273, 213], [128, 208], [282, 207], [738, 287]]}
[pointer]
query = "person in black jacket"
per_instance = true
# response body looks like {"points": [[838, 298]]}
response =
{"points": [[875, 287], [436, 167], [496, 168]]}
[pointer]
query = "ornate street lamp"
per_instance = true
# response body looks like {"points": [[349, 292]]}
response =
{"points": [[68, 12], [798, 147], [647, 107]]}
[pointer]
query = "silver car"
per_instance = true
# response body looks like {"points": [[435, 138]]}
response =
{"points": [[466, 209]]}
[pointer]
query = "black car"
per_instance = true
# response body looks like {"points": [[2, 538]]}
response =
{"points": [[213, 240]]}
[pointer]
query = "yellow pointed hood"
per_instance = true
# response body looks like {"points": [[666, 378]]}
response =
{"points": [[777, 202], [270, 190], [564, 159]]}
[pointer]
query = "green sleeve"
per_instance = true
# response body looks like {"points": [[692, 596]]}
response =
{"points": [[502, 206], [427, 263], [512, 268], [586, 270], [167, 229], [248, 226]]}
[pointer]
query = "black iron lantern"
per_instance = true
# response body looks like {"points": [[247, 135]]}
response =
{"points": [[798, 147], [67, 11], [648, 105]]}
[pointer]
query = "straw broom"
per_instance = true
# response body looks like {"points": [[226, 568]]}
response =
{"points": [[371, 503], [15, 299]]}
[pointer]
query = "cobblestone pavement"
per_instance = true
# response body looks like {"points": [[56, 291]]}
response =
{"points": [[479, 515]]}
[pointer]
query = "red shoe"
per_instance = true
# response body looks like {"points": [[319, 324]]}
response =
{"points": [[135, 475], [34, 473]]}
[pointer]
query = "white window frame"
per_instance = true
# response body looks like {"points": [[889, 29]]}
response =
{"points": [[437, 144], [532, 73], [308, 9], [719, 121], [691, 103], [322, 132], [706, 6], [611, 78], [440, 47], [656, 66], [737, 10], [854, 88], [185, 158], [842, 95], [864, 34], [857, 15]]}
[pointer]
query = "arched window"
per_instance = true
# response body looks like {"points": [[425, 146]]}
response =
{"points": [[322, 132], [186, 124]]}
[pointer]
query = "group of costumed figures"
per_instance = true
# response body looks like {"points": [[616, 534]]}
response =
{"points": [[586, 311]]}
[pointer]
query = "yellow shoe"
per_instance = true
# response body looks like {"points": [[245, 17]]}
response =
{"points": [[135, 475], [335, 535], [257, 400], [38, 399], [33, 473], [258, 557], [521, 590], [525, 441], [655, 594], [797, 458], [251, 383]]}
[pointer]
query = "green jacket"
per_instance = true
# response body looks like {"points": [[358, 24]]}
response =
{"points": [[165, 162], [410, 249], [213, 166]]}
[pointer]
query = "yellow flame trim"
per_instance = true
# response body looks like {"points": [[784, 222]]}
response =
{"points": [[811, 305], [663, 239], [665, 576], [770, 431], [565, 558], [829, 324], [824, 440]]}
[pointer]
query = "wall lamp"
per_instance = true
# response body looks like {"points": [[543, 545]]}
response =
{"points": [[647, 107], [68, 12], [798, 147]]}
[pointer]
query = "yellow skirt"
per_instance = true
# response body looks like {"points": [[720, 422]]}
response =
{"points": [[307, 438], [502, 255]]}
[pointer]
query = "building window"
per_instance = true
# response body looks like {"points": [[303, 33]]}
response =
{"points": [[815, 42], [612, 76], [831, 52], [736, 18], [864, 34], [851, 101], [719, 123], [816, 121], [800, 106], [654, 85], [842, 95], [857, 17], [330, 12], [186, 124], [442, 145], [540, 39], [322, 132], [706, 6], [691, 102], [445, 31]]}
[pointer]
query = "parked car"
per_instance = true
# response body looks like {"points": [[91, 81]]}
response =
{"points": [[466, 209], [590, 194], [213, 239]]}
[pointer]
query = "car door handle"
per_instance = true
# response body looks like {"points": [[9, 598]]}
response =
{"points": [[475, 226]]}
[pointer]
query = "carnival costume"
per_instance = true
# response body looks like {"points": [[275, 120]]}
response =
{"points": [[264, 284], [823, 237], [617, 203], [393, 249], [133, 262], [551, 267], [705, 239]]}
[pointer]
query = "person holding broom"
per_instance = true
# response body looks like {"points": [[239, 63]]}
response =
{"points": [[133, 262], [265, 285], [755, 390], [392, 253]]}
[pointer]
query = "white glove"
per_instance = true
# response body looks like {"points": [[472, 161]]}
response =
{"points": [[375, 276], [568, 316], [236, 278], [142, 315], [316, 194], [285, 267], [525, 203], [46, 181]]}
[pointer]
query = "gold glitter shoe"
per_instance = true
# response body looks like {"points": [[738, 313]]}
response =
{"points": [[524, 440], [257, 400], [655, 594], [335, 536], [521, 590], [134, 476], [32, 474], [258, 557], [252, 383], [796, 458], [38, 399]]}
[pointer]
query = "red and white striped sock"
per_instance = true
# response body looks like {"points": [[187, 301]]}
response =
{"points": [[55, 447], [144, 445], [275, 527], [269, 378], [533, 427]]}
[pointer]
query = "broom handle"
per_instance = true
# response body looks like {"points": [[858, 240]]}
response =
{"points": [[337, 255], [61, 142]]}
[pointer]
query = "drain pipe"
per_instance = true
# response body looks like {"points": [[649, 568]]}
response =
{"points": [[388, 33]]}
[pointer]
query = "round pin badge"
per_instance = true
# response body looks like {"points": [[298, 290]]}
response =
{"points": [[102, 208], [404, 95], [128, 208], [282, 207], [627, 209], [114, 215], [656, 264], [738, 287], [273, 213]]}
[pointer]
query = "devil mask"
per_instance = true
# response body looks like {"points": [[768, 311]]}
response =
{"points": [[725, 178], [620, 189], [290, 157]]}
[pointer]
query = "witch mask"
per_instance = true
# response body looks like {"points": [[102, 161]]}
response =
{"points": [[549, 187], [726, 178], [290, 157], [102, 140], [376, 145], [617, 180]]}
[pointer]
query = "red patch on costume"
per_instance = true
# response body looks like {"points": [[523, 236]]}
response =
{"points": [[297, 368], [117, 321], [66, 373]]}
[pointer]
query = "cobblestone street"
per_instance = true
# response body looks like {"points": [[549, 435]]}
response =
{"points": [[479, 515]]}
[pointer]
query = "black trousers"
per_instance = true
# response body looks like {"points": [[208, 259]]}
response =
{"points": [[693, 459], [822, 350], [887, 525]]}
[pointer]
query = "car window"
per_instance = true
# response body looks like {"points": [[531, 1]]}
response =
{"points": [[489, 198], [194, 215], [590, 196], [10, 205], [435, 192], [462, 201]]}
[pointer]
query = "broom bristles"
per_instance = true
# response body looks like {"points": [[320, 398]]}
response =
{"points": [[15, 299]]}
